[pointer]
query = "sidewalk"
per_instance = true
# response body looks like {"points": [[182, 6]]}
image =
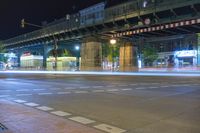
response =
{"points": [[21, 119]]}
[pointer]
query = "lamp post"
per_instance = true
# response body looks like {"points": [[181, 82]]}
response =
{"points": [[55, 43], [77, 48], [113, 42]]}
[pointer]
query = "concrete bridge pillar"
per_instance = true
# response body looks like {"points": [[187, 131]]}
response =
{"points": [[91, 54], [45, 54], [128, 57], [198, 49]]}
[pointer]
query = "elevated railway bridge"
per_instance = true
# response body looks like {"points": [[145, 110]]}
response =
{"points": [[128, 23]]}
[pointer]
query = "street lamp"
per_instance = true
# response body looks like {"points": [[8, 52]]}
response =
{"points": [[77, 48], [113, 42], [55, 54]]}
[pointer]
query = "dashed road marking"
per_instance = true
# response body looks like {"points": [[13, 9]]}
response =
{"points": [[20, 101], [62, 93], [98, 91], [60, 113], [23, 90], [127, 89], [5, 90], [97, 86], [112, 90], [140, 88], [82, 120], [153, 87], [122, 85], [164, 86], [18, 95], [81, 92], [31, 104], [70, 88], [133, 84], [4, 96], [39, 89], [110, 85], [44, 108], [45, 93], [84, 87], [55, 88], [109, 128]]}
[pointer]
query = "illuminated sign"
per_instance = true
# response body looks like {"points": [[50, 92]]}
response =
{"points": [[186, 53]]}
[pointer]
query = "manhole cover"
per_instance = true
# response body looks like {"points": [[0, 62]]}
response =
{"points": [[2, 127]]}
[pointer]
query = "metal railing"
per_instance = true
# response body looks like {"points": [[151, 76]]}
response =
{"points": [[110, 14]]}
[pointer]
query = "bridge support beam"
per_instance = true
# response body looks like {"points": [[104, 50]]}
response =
{"points": [[45, 54], [128, 57], [198, 49], [91, 54]]}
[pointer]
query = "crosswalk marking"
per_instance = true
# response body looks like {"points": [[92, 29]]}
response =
{"points": [[109, 128], [82, 120], [44, 108], [60, 113], [31, 104], [20, 101]]}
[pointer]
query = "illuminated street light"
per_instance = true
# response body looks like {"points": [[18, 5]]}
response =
{"points": [[77, 47], [113, 41]]}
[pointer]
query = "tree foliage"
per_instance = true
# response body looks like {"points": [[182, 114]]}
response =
{"points": [[149, 55]]}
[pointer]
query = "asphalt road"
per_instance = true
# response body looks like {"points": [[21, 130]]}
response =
{"points": [[114, 104]]}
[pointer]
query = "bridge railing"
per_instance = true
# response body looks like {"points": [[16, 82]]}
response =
{"points": [[110, 14]]}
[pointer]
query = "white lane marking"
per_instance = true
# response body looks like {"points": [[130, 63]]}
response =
{"points": [[39, 89], [82, 120], [5, 90], [60, 113], [20, 101], [45, 93], [127, 89], [81, 92], [84, 87], [55, 88], [164, 86], [122, 85], [18, 95], [155, 83], [109, 128], [153, 87], [31, 104], [4, 95], [44, 108], [98, 91], [133, 84], [97, 86], [23, 90], [110, 85], [60, 93], [70, 88], [140, 88], [112, 90]]}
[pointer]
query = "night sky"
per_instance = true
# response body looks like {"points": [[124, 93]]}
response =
{"points": [[38, 11], [35, 11]]}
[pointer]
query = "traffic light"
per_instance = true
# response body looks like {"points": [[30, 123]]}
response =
{"points": [[22, 23]]}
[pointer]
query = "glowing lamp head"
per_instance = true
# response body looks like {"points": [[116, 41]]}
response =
{"points": [[113, 41], [77, 47]]}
